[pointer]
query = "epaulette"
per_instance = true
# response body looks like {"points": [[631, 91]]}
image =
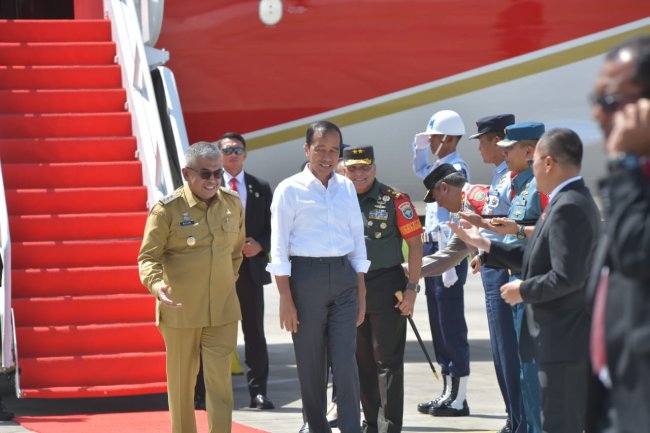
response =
{"points": [[390, 191], [170, 198], [229, 191]]}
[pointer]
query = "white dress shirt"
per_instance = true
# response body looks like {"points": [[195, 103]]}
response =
{"points": [[562, 185], [241, 185], [310, 220]]}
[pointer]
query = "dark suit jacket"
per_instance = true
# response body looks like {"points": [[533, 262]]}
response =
{"points": [[555, 265], [625, 249], [258, 225]]}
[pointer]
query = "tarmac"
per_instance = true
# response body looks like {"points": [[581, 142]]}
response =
{"points": [[484, 398]]}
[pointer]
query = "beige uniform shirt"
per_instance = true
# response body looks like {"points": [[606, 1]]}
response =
{"points": [[196, 249]]}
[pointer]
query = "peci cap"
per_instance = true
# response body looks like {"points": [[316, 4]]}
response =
{"points": [[359, 155], [495, 123], [438, 174], [522, 131]]}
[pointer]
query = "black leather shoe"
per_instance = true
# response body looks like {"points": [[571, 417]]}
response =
{"points": [[506, 428], [447, 410], [5, 415], [261, 402], [304, 428]]}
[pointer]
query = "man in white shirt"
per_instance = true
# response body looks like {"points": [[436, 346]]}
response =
{"points": [[319, 261]]}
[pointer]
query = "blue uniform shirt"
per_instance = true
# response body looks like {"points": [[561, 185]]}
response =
{"points": [[526, 204], [435, 215], [498, 202]]}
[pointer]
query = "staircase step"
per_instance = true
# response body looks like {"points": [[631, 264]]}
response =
{"points": [[34, 150], [61, 227], [92, 370], [66, 125], [62, 101], [96, 391], [91, 281], [55, 30], [84, 310], [115, 338], [76, 200], [60, 77], [75, 254], [57, 53], [72, 175]]}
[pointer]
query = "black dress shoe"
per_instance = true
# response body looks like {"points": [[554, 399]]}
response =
{"points": [[448, 410], [5, 415], [506, 428], [261, 402], [304, 428]]}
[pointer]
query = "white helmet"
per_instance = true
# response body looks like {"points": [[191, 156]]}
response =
{"points": [[445, 122]]}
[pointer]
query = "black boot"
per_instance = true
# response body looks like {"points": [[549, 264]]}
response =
{"points": [[456, 405], [428, 406]]}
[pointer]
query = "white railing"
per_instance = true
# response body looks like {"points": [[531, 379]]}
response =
{"points": [[136, 79], [6, 326]]}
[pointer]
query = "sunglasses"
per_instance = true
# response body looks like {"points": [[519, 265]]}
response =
{"points": [[235, 150], [206, 174], [609, 103]]}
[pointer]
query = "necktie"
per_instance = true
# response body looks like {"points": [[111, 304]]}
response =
{"points": [[598, 352], [233, 184]]}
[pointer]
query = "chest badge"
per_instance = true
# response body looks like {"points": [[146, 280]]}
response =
{"points": [[186, 220], [191, 241]]}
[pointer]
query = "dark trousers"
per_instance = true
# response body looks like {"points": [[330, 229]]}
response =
{"points": [[381, 339], [325, 294], [563, 387], [251, 300], [505, 352], [446, 306]]}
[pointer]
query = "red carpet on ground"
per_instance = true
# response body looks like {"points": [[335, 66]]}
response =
{"points": [[141, 422]]}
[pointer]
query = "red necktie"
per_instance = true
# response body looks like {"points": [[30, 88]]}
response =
{"points": [[233, 184], [598, 352]]}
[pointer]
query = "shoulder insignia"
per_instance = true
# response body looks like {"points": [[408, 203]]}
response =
{"points": [[229, 191], [170, 198], [391, 192]]}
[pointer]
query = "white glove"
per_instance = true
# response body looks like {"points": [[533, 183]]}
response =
{"points": [[449, 278], [421, 141]]}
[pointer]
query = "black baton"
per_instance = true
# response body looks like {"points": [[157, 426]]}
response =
{"points": [[400, 297]]}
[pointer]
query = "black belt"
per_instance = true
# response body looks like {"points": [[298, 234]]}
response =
{"points": [[319, 260]]}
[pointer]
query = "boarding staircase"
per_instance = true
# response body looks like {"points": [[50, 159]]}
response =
{"points": [[77, 208]]}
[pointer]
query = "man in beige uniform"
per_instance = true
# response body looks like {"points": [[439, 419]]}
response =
{"points": [[189, 260]]}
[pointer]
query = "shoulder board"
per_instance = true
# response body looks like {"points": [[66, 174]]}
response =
{"points": [[390, 191], [229, 191], [170, 198]]}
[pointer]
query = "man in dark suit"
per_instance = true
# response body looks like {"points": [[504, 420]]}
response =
{"points": [[256, 197], [554, 267], [620, 286]]}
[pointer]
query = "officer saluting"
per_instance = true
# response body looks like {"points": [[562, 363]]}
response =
{"points": [[389, 217]]}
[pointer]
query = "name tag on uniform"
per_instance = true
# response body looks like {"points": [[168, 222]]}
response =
{"points": [[378, 214], [187, 221]]}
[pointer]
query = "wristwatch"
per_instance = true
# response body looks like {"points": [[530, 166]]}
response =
{"points": [[413, 286], [521, 232]]}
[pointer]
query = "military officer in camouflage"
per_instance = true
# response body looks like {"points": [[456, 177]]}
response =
{"points": [[389, 218], [189, 260]]}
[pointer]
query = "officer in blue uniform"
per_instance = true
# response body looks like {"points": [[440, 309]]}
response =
{"points": [[491, 130], [527, 206]]}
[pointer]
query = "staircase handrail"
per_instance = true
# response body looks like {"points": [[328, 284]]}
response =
{"points": [[175, 112], [6, 327], [136, 79]]}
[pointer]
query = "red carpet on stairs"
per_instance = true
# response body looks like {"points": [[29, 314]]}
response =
{"points": [[141, 422], [77, 208]]}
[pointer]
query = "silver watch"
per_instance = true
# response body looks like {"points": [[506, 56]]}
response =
{"points": [[413, 286], [521, 232]]}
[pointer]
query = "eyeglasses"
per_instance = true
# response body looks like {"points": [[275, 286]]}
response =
{"points": [[206, 174], [609, 103], [359, 167], [235, 150]]}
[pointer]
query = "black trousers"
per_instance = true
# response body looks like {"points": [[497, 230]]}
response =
{"points": [[381, 340], [251, 300], [563, 387]]}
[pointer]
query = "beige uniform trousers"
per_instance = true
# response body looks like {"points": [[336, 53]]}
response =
{"points": [[184, 346]]}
